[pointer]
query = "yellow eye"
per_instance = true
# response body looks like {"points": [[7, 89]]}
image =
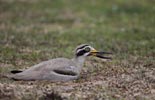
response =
{"points": [[87, 49]]}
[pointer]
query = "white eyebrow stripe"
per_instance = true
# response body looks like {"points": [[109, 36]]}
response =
{"points": [[82, 46], [78, 50]]}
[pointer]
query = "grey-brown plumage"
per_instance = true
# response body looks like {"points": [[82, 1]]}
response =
{"points": [[59, 69]]}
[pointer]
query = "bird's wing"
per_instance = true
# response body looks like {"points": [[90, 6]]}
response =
{"points": [[67, 70]]}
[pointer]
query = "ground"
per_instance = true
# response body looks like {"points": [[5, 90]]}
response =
{"points": [[32, 31]]}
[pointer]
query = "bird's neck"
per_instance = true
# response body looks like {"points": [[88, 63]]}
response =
{"points": [[79, 60]]}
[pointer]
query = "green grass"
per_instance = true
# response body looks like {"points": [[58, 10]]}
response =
{"points": [[38, 30]]}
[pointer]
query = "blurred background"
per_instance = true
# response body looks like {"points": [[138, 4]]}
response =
{"points": [[125, 26], [36, 30]]}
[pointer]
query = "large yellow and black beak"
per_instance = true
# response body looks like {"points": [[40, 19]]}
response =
{"points": [[100, 54]]}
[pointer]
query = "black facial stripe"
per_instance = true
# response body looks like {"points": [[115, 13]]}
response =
{"points": [[82, 47], [80, 53]]}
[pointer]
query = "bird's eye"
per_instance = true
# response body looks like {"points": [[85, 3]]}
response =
{"points": [[87, 49]]}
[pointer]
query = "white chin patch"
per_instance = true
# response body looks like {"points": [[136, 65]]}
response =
{"points": [[86, 54]]}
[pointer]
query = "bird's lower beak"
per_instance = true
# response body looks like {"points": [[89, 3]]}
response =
{"points": [[100, 54]]}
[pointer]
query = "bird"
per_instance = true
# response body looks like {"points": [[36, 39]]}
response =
{"points": [[59, 69]]}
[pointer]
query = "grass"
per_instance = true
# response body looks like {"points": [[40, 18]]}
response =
{"points": [[36, 30]]}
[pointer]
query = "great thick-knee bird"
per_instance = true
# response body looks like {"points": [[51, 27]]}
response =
{"points": [[59, 69]]}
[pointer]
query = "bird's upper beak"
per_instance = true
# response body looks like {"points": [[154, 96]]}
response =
{"points": [[100, 54]]}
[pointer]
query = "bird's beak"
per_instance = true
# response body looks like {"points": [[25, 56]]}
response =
{"points": [[100, 54]]}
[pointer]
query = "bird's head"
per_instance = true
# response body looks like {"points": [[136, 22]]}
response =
{"points": [[87, 50]]}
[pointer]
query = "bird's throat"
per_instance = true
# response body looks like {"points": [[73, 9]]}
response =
{"points": [[79, 60]]}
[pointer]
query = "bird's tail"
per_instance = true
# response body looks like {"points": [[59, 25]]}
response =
{"points": [[10, 76], [4, 75]]}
